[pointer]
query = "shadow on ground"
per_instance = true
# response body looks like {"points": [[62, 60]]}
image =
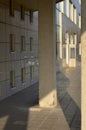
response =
{"points": [[14, 113], [70, 109]]}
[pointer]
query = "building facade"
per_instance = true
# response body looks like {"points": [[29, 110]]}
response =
{"points": [[68, 19], [19, 43], [18, 48]]}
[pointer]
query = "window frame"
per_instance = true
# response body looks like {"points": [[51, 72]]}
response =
{"points": [[22, 13], [12, 79], [23, 74], [31, 16], [11, 8], [12, 43], [23, 44], [31, 44], [31, 72]]}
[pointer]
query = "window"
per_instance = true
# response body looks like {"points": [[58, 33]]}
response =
{"points": [[64, 52], [64, 7], [11, 8], [79, 48], [31, 16], [31, 72], [12, 78], [71, 39], [12, 43], [23, 74], [74, 14], [31, 43], [22, 43], [58, 15], [72, 53], [67, 8], [22, 13], [66, 38], [58, 34], [61, 6], [71, 10], [79, 1], [75, 39], [79, 21]]}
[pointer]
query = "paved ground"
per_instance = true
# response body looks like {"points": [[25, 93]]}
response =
{"points": [[16, 112], [69, 95]]}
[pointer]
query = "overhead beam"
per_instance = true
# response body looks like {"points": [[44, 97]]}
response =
{"points": [[28, 4]]}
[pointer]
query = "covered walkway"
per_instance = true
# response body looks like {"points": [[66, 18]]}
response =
{"points": [[17, 113]]}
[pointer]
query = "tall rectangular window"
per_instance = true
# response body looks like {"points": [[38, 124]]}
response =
{"points": [[71, 10], [71, 39], [23, 74], [31, 72], [22, 13], [74, 14], [23, 46], [72, 53], [31, 43], [67, 8], [12, 43], [61, 6], [12, 78], [31, 16], [11, 8], [64, 53], [79, 21], [75, 39], [66, 38], [58, 34]]}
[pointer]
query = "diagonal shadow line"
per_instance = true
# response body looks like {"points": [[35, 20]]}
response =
{"points": [[70, 109]]}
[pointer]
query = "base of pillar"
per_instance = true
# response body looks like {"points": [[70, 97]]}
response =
{"points": [[49, 101]]}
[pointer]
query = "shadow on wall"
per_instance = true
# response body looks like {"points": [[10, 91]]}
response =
{"points": [[70, 109], [14, 111]]}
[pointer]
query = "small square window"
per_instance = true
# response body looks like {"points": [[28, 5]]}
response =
{"points": [[12, 78], [23, 74], [11, 8], [22, 43], [12, 43], [22, 13]]}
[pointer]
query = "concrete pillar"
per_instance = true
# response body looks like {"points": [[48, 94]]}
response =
{"points": [[83, 63], [47, 54]]}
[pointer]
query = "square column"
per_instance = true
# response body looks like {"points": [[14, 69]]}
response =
{"points": [[83, 63], [47, 54]]}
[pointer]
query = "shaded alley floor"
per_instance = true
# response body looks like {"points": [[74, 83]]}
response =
{"points": [[16, 112]]}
